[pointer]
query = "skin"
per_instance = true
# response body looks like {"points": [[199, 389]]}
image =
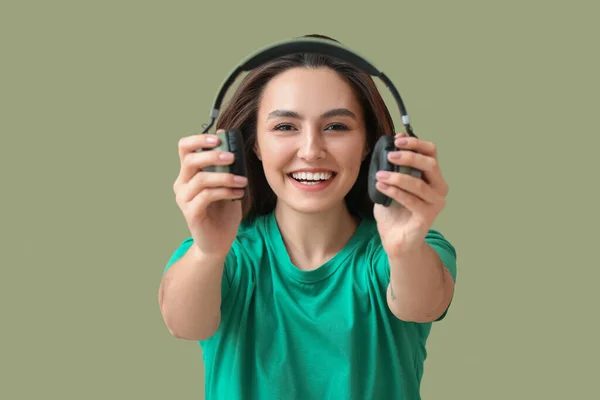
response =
{"points": [[310, 118], [421, 288], [322, 128], [303, 136]]}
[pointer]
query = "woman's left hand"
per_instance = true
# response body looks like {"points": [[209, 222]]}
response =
{"points": [[404, 228]]}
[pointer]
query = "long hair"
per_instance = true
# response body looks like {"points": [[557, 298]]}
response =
{"points": [[241, 113]]}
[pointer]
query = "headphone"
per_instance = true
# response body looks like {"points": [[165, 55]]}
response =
{"points": [[232, 140]]}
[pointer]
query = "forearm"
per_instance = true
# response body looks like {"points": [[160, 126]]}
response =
{"points": [[190, 296], [420, 285]]}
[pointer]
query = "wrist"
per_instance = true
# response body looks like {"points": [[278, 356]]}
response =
{"points": [[201, 257], [403, 254]]}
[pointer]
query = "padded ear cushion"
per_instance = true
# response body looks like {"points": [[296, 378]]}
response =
{"points": [[231, 141], [380, 162], [235, 142]]}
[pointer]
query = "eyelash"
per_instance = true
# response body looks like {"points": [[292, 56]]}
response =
{"points": [[340, 127]]}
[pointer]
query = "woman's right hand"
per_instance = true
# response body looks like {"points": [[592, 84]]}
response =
{"points": [[205, 198]]}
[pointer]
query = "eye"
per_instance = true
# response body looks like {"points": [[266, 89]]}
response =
{"points": [[283, 127], [337, 127]]}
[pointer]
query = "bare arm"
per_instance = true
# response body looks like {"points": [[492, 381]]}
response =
{"points": [[421, 287], [190, 295]]}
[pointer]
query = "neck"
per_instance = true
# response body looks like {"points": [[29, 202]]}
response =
{"points": [[312, 239]]}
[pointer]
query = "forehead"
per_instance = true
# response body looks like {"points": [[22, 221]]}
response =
{"points": [[309, 90]]}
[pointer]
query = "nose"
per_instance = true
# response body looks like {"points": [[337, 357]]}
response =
{"points": [[312, 146]]}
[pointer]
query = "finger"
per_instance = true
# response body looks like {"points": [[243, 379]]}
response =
{"points": [[416, 160], [408, 200], [203, 180], [192, 143], [410, 184], [419, 145], [196, 161], [211, 195], [423, 157]]}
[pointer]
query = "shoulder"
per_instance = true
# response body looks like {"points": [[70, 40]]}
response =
{"points": [[433, 238], [370, 244], [371, 250], [252, 234], [249, 238], [251, 245], [444, 249]]}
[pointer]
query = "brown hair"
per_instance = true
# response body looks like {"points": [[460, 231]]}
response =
{"points": [[241, 113]]}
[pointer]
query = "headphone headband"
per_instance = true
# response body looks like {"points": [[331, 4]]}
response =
{"points": [[306, 45]]}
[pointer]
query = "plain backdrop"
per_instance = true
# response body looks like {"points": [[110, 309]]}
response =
{"points": [[95, 95]]}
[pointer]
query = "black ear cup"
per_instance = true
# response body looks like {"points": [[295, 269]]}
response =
{"points": [[380, 162], [236, 146], [231, 141]]}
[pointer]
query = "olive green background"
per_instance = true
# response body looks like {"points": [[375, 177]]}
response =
{"points": [[96, 94]]}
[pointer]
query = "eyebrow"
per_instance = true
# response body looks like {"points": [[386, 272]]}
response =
{"points": [[335, 112]]}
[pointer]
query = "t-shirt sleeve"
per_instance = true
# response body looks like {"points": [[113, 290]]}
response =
{"points": [[437, 241], [444, 249], [228, 270], [447, 254]]}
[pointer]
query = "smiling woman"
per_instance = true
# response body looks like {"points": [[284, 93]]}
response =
{"points": [[313, 179], [365, 104], [321, 129], [305, 289]]}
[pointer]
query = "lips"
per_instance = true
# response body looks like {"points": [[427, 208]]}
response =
{"points": [[312, 176]]}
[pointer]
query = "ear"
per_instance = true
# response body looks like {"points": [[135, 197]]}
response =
{"points": [[366, 153], [367, 149], [257, 151]]}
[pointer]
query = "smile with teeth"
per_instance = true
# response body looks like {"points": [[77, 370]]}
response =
{"points": [[312, 178]]}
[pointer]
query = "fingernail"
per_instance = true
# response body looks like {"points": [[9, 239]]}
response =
{"points": [[395, 154], [401, 142], [226, 156], [383, 175], [211, 139]]}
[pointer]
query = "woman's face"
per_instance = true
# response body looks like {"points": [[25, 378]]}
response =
{"points": [[310, 137]]}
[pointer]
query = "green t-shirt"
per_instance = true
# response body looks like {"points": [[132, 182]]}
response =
{"points": [[303, 335]]}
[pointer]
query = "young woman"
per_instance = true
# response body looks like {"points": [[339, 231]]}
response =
{"points": [[304, 289]]}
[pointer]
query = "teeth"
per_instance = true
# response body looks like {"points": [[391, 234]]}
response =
{"points": [[310, 176]]}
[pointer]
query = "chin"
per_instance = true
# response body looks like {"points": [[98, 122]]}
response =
{"points": [[312, 198], [314, 201], [311, 206]]}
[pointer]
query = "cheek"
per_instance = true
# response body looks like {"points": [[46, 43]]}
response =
{"points": [[349, 154], [273, 156]]}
